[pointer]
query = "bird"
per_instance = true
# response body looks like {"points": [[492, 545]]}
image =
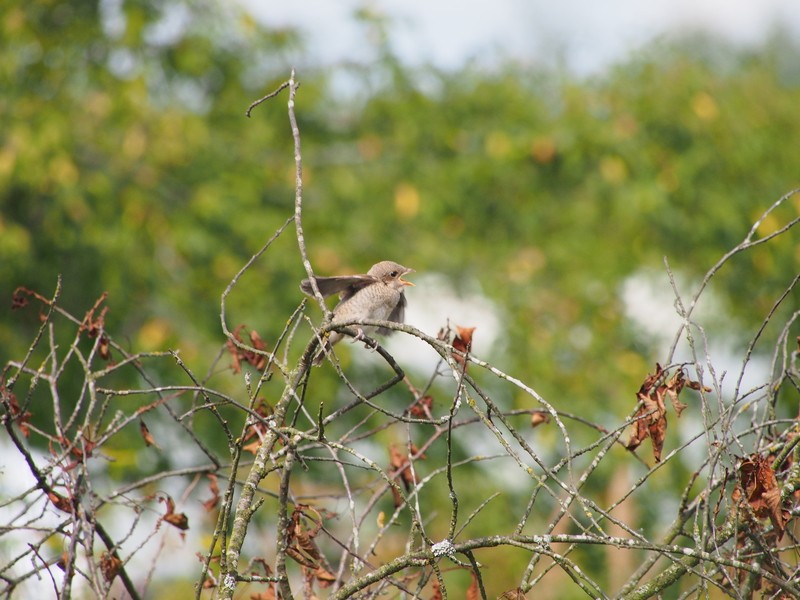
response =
{"points": [[378, 295]]}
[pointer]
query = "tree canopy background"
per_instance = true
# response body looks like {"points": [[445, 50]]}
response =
{"points": [[127, 166]]}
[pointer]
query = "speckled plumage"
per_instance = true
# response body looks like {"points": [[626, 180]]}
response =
{"points": [[378, 295]]}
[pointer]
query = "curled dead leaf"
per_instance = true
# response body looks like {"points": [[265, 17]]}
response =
{"points": [[146, 435], [258, 429], [401, 466], [324, 577], [674, 387], [462, 342], [241, 353], [762, 492], [93, 326], [179, 520], [538, 417], [110, 566], [473, 591], [421, 409], [213, 487], [19, 299], [59, 501], [651, 416], [104, 348], [20, 417]]}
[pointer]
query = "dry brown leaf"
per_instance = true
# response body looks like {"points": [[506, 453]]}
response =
{"points": [[209, 583], [60, 502], [538, 417], [110, 566], [104, 348], [658, 432], [437, 590], [306, 544], [92, 325], [397, 499], [415, 452], [324, 578], [299, 558], [179, 520], [401, 466], [651, 418], [236, 364], [301, 545], [674, 387], [258, 428], [695, 385], [650, 421], [762, 492], [213, 487], [473, 591], [252, 447], [20, 298], [20, 417], [462, 342], [239, 355], [421, 409], [777, 516], [146, 435], [396, 458]]}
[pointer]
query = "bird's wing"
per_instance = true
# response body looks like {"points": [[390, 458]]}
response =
{"points": [[345, 285], [398, 315]]}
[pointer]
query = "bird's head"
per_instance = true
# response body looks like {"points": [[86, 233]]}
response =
{"points": [[390, 273]]}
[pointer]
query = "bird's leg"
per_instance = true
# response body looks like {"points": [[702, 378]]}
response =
{"points": [[360, 336]]}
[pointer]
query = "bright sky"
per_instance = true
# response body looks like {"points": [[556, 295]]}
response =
{"points": [[585, 35]]}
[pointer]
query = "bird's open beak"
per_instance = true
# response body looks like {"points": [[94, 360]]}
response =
{"points": [[403, 281]]}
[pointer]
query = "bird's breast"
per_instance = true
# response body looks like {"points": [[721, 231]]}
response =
{"points": [[373, 302]]}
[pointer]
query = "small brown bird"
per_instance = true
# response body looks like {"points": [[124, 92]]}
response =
{"points": [[377, 295]]}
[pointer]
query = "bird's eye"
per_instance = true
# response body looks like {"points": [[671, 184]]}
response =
{"points": [[393, 274]]}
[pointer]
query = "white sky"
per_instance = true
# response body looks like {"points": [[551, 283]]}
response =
{"points": [[585, 35]]}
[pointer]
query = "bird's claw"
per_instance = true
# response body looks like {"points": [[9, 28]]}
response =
{"points": [[360, 336]]}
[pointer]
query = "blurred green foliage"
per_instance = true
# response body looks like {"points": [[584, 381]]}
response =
{"points": [[128, 166]]}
